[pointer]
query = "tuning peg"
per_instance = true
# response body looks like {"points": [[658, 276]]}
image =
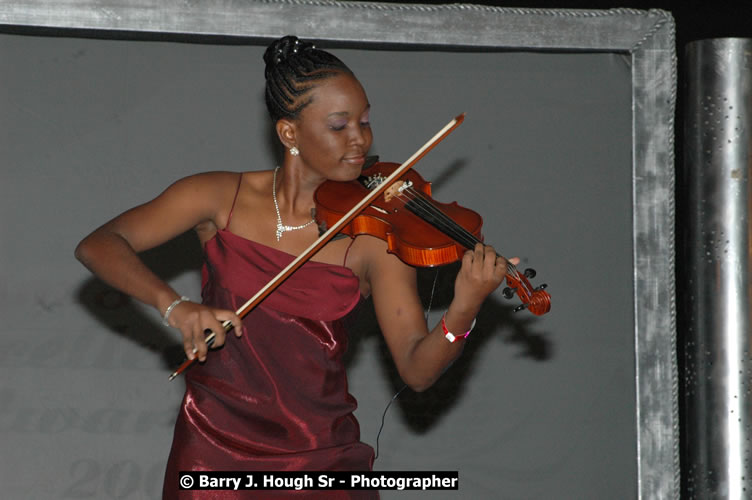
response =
{"points": [[520, 307], [529, 273], [508, 293], [542, 286]]}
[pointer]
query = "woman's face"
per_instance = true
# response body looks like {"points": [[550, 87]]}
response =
{"points": [[333, 132]]}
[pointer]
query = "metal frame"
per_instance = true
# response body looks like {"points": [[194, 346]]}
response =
{"points": [[646, 37]]}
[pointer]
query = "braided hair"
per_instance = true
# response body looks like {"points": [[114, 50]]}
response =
{"points": [[292, 69]]}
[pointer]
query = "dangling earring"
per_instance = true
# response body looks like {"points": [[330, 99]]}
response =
{"points": [[294, 151]]}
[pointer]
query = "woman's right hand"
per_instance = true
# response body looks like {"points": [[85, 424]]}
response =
{"points": [[111, 251], [194, 319]]}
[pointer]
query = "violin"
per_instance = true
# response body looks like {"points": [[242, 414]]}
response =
{"points": [[465, 234], [419, 230]]}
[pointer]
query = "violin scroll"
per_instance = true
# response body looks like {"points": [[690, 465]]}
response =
{"points": [[535, 300]]}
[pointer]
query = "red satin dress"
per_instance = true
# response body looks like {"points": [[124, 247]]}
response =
{"points": [[275, 399]]}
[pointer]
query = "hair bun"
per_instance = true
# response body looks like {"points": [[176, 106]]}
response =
{"points": [[293, 68], [283, 49]]}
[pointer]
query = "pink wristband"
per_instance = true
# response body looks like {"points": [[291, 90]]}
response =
{"points": [[449, 335]]}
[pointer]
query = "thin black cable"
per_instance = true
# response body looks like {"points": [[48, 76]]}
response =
{"points": [[383, 416]]}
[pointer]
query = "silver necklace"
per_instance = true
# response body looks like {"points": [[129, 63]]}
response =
{"points": [[281, 228]]}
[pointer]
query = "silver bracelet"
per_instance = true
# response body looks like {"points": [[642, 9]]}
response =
{"points": [[171, 307]]}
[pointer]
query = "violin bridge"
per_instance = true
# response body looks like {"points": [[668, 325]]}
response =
{"points": [[391, 192], [396, 189], [374, 181]]}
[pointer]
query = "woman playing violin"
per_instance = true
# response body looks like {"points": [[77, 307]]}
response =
{"points": [[276, 397]]}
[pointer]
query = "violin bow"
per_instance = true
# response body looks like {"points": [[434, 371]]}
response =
{"points": [[329, 234]]}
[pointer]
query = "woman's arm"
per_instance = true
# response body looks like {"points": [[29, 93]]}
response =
{"points": [[111, 251], [419, 354]]}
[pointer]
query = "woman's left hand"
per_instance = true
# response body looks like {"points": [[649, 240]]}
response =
{"points": [[481, 273]]}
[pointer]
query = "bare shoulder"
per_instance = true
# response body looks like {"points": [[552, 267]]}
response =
{"points": [[196, 200], [382, 270], [207, 184], [210, 190], [258, 181]]}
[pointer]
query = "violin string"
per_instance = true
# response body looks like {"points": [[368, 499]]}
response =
{"points": [[420, 198], [468, 240], [423, 207], [432, 214], [464, 237], [435, 216], [426, 210], [511, 268]]}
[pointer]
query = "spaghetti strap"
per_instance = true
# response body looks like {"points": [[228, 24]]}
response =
{"points": [[237, 190]]}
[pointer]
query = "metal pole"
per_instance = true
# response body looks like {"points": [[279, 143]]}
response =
{"points": [[718, 354]]}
